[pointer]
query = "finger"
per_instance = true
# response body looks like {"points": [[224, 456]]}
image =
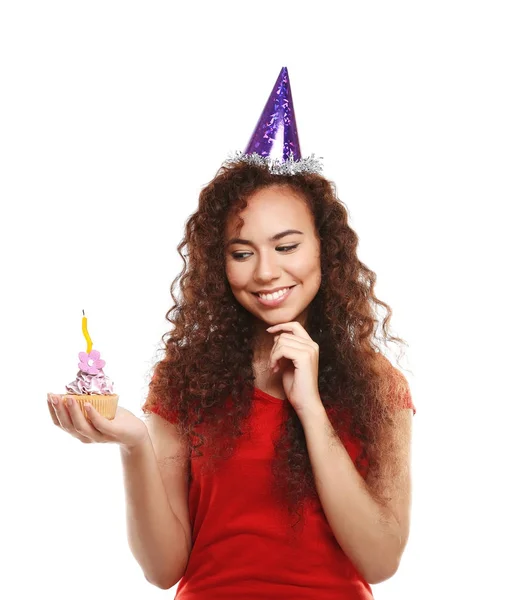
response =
{"points": [[51, 408], [288, 342], [285, 351], [294, 340], [64, 418], [60, 412], [293, 327], [81, 425], [275, 347], [98, 422]]}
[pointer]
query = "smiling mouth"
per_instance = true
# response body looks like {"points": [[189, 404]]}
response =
{"points": [[274, 301], [289, 287]]}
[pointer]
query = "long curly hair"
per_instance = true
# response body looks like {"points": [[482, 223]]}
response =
{"points": [[206, 373]]}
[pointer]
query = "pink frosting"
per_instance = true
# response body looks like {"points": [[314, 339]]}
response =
{"points": [[90, 378], [90, 384]]}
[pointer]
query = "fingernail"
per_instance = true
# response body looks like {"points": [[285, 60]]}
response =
{"points": [[54, 399], [69, 401]]}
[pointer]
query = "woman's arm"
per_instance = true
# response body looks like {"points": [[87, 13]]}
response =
{"points": [[372, 537], [158, 539]]}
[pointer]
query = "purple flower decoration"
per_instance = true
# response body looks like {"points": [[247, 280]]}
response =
{"points": [[91, 363]]}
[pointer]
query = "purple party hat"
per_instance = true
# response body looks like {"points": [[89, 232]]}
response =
{"points": [[274, 142], [276, 134]]}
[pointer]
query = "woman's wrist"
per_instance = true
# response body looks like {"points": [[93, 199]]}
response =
{"points": [[137, 446]]}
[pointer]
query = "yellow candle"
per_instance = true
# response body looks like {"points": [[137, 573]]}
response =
{"points": [[85, 333]]}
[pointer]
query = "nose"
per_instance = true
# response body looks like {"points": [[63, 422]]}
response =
{"points": [[267, 267]]}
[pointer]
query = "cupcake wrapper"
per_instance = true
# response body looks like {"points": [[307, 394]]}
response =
{"points": [[104, 404]]}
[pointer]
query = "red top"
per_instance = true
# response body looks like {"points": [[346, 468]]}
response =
{"points": [[243, 545]]}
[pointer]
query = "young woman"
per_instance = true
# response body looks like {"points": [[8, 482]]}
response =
{"points": [[274, 460]]}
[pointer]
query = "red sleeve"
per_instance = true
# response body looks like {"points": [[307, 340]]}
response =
{"points": [[159, 409], [401, 393]]}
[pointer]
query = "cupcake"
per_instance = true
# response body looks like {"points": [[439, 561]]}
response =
{"points": [[91, 385]]}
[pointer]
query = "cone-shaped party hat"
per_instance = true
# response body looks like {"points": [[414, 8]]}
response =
{"points": [[276, 134], [274, 142]]}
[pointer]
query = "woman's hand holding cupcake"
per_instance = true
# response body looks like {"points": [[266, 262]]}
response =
{"points": [[125, 429], [89, 410]]}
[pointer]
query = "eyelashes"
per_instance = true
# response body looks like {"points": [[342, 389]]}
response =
{"points": [[284, 249]]}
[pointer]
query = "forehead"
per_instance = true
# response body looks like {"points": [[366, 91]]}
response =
{"points": [[273, 207]]}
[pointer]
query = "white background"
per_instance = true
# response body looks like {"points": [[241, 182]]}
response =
{"points": [[115, 114]]}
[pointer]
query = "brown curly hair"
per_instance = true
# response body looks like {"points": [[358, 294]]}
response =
{"points": [[208, 356]]}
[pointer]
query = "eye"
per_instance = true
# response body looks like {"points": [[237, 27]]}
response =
{"points": [[239, 255], [287, 248], [283, 249]]}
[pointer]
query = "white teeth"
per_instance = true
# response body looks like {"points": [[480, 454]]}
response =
{"points": [[274, 296]]}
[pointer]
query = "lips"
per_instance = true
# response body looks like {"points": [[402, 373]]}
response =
{"points": [[275, 301], [283, 287], [286, 287]]}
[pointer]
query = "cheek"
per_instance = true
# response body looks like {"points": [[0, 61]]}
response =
{"points": [[235, 276], [307, 269], [310, 273]]}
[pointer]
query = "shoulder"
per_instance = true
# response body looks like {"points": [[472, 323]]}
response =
{"points": [[394, 386]]}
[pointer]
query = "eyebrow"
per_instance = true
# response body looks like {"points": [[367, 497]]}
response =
{"points": [[274, 238]]}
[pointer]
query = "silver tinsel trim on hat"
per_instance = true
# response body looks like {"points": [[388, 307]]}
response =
{"points": [[309, 164]]}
